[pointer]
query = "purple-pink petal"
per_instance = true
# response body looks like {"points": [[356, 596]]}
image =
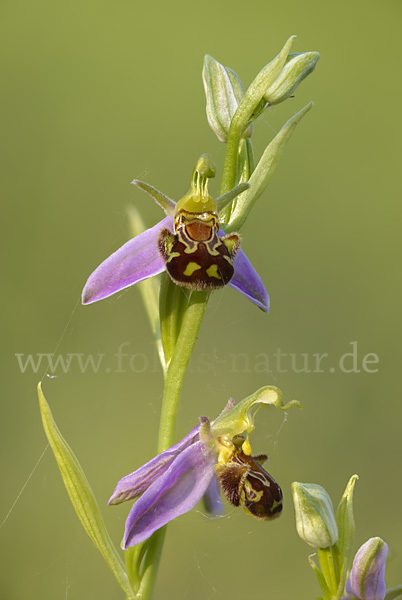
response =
{"points": [[247, 281], [137, 260], [133, 485], [174, 493]]}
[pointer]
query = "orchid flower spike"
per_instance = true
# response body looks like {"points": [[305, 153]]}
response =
{"points": [[187, 243], [211, 455]]}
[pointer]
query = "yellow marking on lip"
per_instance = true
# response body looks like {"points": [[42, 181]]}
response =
{"points": [[275, 504], [212, 271], [191, 267], [189, 250], [249, 488], [173, 255]]}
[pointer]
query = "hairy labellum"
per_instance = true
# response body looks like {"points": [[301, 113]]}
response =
{"points": [[196, 256], [244, 482]]}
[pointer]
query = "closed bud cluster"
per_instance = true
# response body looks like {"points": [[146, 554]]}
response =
{"points": [[276, 82]]}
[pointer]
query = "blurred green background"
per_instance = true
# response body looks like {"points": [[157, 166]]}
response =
{"points": [[96, 94]]}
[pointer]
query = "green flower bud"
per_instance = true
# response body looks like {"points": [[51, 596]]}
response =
{"points": [[224, 91], [297, 67], [315, 519]]}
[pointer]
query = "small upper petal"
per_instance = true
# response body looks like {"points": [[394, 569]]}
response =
{"points": [[137, 260], [133, 485], [175, 493], [247, 281]]}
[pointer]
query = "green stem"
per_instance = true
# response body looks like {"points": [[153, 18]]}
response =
{"points": [[245, 113], [329, 568], [172, 304], [250, 157], [190, 326], [132, 562], [232, 150], [149, 569], [181, 334], [241, 168]]}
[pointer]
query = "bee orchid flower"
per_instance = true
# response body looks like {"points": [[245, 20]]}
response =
{"points": [[187, 243], [212, 455]]}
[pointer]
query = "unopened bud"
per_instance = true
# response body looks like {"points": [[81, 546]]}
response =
{"points": [[315, 519], [367, 577], [224, 92], [297, 67]]}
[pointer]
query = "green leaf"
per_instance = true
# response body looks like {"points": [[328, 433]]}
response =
{"points": [[82, 497]]}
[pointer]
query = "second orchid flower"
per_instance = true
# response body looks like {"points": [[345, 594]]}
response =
{"points": [[214, 453]]}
